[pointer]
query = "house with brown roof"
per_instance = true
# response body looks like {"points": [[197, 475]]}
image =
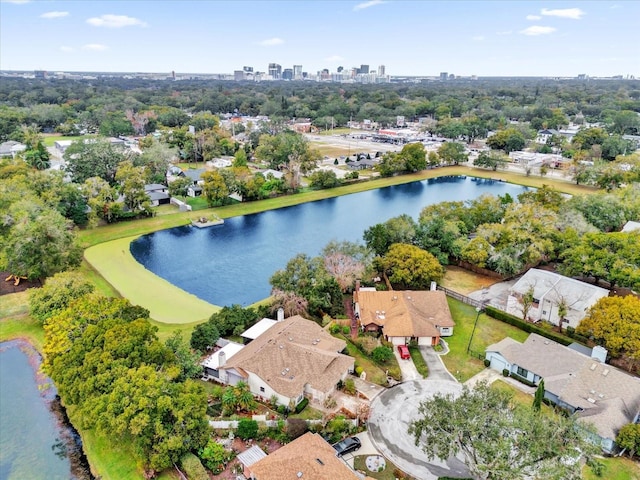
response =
{"points": [[402, 316], [581, 384], [291, 359], [307, 457]]}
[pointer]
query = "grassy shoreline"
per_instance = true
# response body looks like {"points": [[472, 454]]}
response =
{"points": [[90, 237]]}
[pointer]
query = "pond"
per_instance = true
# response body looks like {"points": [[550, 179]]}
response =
{"points": [[36, 441], [232, 263]]}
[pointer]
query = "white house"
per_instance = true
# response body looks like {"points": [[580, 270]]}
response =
{"points": [[584, 385], [550, 290]]}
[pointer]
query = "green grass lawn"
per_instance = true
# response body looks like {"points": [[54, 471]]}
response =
{"points": [[15, 321], [418, 361], [386, 474], [618, 468], [50, 140], [334, 131], [374, 373], [165, 302], [488, 330]]}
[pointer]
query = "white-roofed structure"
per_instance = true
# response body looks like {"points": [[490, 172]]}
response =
{"points": [[550, 290], [631, 226], [258, 329], [251, 456], [218, 358]]}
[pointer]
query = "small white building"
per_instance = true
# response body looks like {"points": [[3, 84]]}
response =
{"points": [[550, 290]]}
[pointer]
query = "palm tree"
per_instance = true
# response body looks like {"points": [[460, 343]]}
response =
{"points": [[245, 400], [229, 399]]}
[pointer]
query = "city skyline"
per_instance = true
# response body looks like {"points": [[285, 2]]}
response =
{"points": [[410, 38]]}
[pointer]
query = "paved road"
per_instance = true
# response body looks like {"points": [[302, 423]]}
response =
{"points": [[391, 414]]}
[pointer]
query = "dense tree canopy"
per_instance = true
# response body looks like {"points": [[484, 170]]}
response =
{"points": [[409, 267], [497, 440]]}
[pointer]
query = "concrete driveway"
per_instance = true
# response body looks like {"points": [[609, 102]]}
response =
{"points": [[407, 367], [367, 448], [391, 414], [437, 370]]}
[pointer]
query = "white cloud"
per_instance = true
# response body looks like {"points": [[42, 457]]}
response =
{"points": [[95, 47], [534, 17], [54, 14], [65, 48], [115, 21], [478, 38], [573, 13], [537, 30], [334, 58], [271, 42], [370, 3]]}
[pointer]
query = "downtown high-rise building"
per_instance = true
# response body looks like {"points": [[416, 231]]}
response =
{"points": [[381, 70], [297, 72], [275, 71]]}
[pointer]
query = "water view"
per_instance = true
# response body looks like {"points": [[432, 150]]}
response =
{"points": [[232, 263], [30, 436]]}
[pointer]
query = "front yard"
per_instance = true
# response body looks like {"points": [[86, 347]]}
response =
{"points": [[488, 331]]}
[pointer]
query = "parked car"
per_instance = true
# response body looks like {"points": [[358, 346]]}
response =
{"points": [[404, 352], [349, 444]]}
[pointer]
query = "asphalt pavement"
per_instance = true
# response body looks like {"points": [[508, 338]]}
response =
{"points": [[391, 414]]}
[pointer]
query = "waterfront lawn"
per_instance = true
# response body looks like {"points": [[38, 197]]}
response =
{"points": [[488, 331], [114, 231], [165, 302], [15, 321], [618, 468]]}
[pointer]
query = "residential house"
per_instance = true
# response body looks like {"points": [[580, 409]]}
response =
{"points": [[11, 148], [545, 135], [307, 457], [581, 384], [550, 291], [292, 359], [223, 351], [402, 316], [362, 163], [258, 329], [158, 194], [272, 173], [195, 174]]}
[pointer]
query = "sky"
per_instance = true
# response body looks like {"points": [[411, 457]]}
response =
{"points": [[413, 38]]}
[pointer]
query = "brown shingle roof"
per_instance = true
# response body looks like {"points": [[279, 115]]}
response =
{"points": [[309, 455], [292, 353], [405, 313]]}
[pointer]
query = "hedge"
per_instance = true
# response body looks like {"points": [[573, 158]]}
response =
{"points": [[302, 405], [528, 327], [193, 468]]}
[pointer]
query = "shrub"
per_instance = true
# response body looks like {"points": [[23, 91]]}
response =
{"points": [[296, 427], [346, 329], [282, 409], [382, 354], [505, 373], [487, 362], [247, 429], [522, 380], [214, 456], [367, 344], [359, 370], [335, 328], [302, 405], [192, 467], [349, 386]]}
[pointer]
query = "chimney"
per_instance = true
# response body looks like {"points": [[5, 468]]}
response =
{"points": [[280, 316], [222, 358], [433, 286], [599, 353]]}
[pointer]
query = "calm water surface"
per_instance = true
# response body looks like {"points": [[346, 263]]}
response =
{"points": [[30, 445], [232, 263]]}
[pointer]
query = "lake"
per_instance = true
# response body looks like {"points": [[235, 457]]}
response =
{"points": [[35, 440], [232, 263]]}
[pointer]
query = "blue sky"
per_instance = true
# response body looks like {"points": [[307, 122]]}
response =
{"points": [[416, 37]]}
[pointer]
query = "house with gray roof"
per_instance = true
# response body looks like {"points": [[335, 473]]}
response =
{"points": [[11, 148], [550, 290], [584, 385]]}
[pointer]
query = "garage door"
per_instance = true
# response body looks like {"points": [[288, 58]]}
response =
{"points": [[498, 364]]}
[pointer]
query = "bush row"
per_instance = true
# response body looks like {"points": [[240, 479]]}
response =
{"points": [[528, 327]]}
